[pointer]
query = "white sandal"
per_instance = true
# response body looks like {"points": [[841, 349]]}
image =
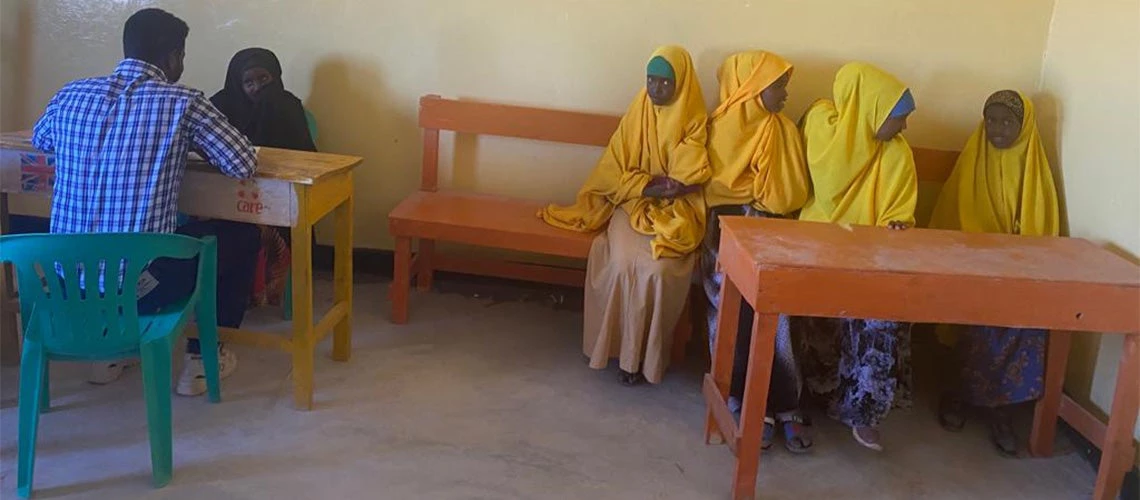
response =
{"points": [[871, 445]]}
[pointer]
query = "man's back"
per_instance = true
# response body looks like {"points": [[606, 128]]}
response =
{"points": [[121, 143]]}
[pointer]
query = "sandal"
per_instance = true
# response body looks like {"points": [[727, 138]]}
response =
{"points": [[951, 412], [797, 437], [867, 436], [1001, 433], [769, 433], [630, 379]]}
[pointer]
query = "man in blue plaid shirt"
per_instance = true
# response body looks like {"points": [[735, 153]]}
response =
{"points": [[121, 144]]}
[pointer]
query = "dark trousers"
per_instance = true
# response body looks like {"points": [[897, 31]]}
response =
{"points": [[784, 389], [238, 245]]}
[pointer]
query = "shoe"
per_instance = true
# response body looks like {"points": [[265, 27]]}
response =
{"points": [[105, 373], [193, 379]]}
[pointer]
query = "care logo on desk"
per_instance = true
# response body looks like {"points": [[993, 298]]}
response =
{"points": [[249, 199], [37, 172]]}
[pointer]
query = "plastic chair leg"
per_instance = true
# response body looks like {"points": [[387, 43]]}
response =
{"points": [[45, 393], [156, 391], [287, 301], [208, 341], [33, 371]]}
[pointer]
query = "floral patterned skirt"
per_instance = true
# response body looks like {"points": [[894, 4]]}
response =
{"points": [[1002, 366], [859, 367]]}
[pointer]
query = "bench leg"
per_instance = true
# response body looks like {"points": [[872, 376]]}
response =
{"points": [[401, 280], [1118, 452], [424, 265]]}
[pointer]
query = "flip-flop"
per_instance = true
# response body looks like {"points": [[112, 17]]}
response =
{"points": [[797, 438], [951, 413], [872, 445], [630, 379], [1002, 435], [769, 433]]}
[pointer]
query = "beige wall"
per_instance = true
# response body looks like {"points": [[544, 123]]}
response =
{"points": [[15, 42], [360, 65], [1091, 95]]}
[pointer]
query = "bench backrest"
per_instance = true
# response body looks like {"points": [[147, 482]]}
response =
{"points": [[569, 127]]}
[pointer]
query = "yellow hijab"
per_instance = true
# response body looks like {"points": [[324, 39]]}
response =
{"points": [[757, 156], [856, 178], [995, 190], [650, 141]]}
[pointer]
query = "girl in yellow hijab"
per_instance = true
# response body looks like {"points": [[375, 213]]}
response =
{"points": [[1001, 184], [758, 170], [647, 186], [862, 172]]}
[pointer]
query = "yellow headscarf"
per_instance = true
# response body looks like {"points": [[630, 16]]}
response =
{"points": [[650, 141], [757, 156], [995, 190], [856, 178]]}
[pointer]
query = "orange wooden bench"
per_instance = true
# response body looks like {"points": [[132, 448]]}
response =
{"points": [[431, 215]]}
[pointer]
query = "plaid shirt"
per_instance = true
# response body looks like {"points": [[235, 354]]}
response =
{"points": [[121, 143]]}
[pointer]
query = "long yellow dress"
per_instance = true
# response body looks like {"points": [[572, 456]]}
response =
{"points": [[757, 156], [860, 366], [1006, 191], [639, 269], [857, 179]]}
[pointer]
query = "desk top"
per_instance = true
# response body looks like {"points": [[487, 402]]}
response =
{"points": [[298, 167], [950, 275], [788, 243]]}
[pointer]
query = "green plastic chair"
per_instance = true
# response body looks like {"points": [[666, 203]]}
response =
{"points": [[287, 303], [66, 321]]}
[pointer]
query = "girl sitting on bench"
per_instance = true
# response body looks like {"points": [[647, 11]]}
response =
{"points": [[1001, 184], [647, 186], [862, 172], [757, 158]]}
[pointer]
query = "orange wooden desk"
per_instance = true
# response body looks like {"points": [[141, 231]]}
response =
{"points": [[293, 189], [797, 268]]}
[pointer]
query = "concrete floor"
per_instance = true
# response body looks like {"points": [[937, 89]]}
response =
{"points": [[479, 399]]}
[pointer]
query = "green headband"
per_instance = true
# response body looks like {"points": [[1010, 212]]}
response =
{"points": [[659, 67]]}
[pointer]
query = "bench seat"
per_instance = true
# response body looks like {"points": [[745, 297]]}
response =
{"points": [[485, 220]]}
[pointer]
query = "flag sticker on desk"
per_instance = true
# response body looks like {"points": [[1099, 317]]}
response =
{"points": [[37, 172]]}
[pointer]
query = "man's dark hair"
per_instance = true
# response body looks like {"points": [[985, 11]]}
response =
{"points": [[152, 34]]}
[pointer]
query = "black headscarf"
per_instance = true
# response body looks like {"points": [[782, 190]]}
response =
{"points": [[277, 118]]}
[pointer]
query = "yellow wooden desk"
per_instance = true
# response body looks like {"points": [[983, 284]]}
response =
{"points": [[292, 189]]}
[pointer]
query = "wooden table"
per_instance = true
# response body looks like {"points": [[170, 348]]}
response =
{"points": [[292, 189], [1065, 285]]}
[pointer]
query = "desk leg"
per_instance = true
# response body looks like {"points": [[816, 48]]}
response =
{"points": [[302, 310], [9, 331], [724, 350], [342, 279], [1045, 415], [1117, 454], [755, 404]]}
